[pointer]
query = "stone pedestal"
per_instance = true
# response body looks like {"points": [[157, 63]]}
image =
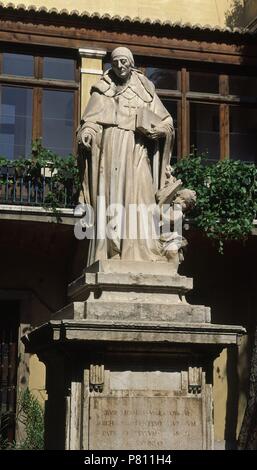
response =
{"points": [[129, 362]]}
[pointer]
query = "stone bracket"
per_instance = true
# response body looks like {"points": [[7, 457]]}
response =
{"points": [[96, 378], [194, 380]]}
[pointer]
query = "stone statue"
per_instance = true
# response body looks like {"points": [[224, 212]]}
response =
{"points": [[125, 143]]}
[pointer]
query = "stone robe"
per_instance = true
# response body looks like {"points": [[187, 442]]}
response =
{"points": [[124, 166]]}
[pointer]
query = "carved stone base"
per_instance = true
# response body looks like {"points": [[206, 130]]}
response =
{"points": [[146, 291], [129, 363]]}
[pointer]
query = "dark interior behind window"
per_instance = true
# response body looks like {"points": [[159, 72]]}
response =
{"points": [[18, 64]]}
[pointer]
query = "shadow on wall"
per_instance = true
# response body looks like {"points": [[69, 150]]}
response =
{"points": [[235, 16], [232, 400], [226, 283]]}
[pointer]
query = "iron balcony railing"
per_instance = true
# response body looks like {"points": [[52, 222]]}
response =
{"points": [[39, 189]]}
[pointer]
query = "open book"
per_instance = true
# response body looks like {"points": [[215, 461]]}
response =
{"points": [[146, 120], [167, 194]]}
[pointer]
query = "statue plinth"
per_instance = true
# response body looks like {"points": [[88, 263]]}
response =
{"points": [[129, 360], [137, 291]]}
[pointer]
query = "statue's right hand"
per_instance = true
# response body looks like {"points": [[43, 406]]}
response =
{"points": [[87, 141]]}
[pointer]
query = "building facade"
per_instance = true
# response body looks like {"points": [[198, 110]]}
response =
{"points": [[50, 56]]}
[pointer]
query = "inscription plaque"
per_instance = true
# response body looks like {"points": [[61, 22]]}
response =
{"points": [[145, 423]]}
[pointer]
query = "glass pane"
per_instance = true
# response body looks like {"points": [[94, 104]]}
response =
{"points": [[107, 66], [204, 129], [204, 82], [162, 78], [18, 64], [57, 121], [244, 86], [243, 134], [59, 69], [171, 106], [15, 121]]}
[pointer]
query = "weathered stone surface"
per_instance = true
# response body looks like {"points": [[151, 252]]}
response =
{"points": [[103, 310], [149, 380], [161, 423], [134, 332], [75, 310], [147, 311], [132, 295], [120, 282], [134, 354], [112, 266], [110, 132], [141, 384]]}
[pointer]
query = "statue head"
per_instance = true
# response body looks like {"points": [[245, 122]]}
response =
{"points": [[122, 62], [186, 198]]}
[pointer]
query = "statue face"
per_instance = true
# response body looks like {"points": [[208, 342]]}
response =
{"points": [[121, 67]]}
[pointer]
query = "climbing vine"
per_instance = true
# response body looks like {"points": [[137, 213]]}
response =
{"points": [[226, 196], [235, 16], [29, 414], [226, 191], [58, 187]]}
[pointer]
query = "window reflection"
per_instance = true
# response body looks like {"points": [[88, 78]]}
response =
{"points": [[243, 135], [15, 121], [59, 69], [18, 64], [162, 78], [107, 66], [204, 129], [57, 121], [171, 106]]}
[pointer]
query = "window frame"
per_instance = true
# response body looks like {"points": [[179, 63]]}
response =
{"points": [[38, 84], [184, 97]]}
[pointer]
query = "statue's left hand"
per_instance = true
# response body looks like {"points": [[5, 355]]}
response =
{"points": [[156, 133]]}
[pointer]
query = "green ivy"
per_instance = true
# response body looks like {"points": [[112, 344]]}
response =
{"points": [[226, 191], [64, 174], [226, 196], [31, 415]]}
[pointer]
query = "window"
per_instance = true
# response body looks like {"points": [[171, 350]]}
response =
{"points": [[61, 69], [57, 122], [38, 99], [162, 78], [242, 85], [167, 83], [18, 64], [214, 113], [243, 133], [171, 106], [15, 121], [204, 82], [204, 129]]}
